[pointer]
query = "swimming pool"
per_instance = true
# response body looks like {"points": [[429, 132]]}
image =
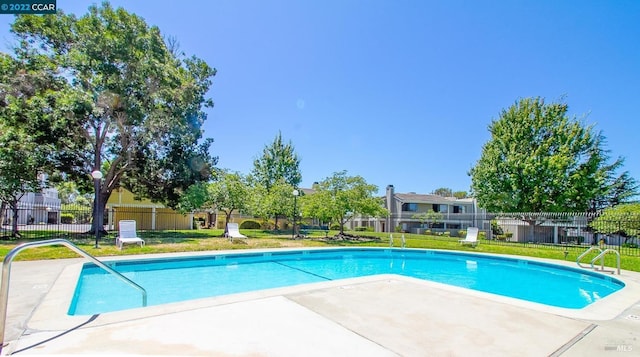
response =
{"points": [[179, 279]]}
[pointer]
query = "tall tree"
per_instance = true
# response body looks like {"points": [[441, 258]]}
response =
{"points": [[278, 161], [27, 102], [340, 197], [538, 159], [275, 174], [137, 107]]}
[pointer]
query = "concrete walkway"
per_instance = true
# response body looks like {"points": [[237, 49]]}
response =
{"points": [[375, 316]]}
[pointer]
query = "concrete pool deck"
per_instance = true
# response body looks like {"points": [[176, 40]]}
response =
{"points": [[385, 315]]}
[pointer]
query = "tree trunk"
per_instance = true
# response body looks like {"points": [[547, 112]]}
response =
{"points": [[3, 211], [227, 218], [276, 223], [97, 214], [14, 221], [212, 219]]}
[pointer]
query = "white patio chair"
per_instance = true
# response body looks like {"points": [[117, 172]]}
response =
{"points": [[127, 234]]}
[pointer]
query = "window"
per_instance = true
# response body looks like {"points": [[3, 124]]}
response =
{"points": [[459, 209], [440, 208], [409, 207]]}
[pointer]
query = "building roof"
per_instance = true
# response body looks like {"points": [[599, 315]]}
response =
{"points": [[420, 198], [307, 191]]}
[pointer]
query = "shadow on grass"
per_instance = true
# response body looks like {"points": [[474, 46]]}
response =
{"points": [[85, 238]]}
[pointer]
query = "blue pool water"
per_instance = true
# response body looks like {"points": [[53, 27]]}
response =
{"points": [[180, 279]]}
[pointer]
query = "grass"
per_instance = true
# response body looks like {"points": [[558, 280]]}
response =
{"points": [[210, 239]]}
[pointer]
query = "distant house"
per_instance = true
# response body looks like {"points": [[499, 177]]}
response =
{"points": [[122, 204], [457, 214], [38, 208]]}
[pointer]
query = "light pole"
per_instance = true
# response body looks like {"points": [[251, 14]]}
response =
{"points": [[97, 176], [295, 204]]}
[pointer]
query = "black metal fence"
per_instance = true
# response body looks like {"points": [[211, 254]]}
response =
{"points": [[556, 230], [75, 221]]}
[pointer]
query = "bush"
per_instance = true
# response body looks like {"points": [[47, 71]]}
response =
{"points": [[447, 234], [361, 229], [495, 228], [66, 218], [427, 231], [335, 227], [462, 233], [267, 225], [250, 224], [398, 229], [482, 235]]}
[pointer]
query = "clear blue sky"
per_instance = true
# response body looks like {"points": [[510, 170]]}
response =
{"points": [[400, 92]]}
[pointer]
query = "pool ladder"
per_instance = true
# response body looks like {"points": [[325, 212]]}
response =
{"points": [[6, 272], [403, 242], [601, 257]]}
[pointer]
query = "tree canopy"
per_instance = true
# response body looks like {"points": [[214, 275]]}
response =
{"points": [[443, 191], [278, 162], [340, 197], [623, 219], [430, 217], [538, 159], [27, 104], [274, 176], [133, 107], [229, 194]]}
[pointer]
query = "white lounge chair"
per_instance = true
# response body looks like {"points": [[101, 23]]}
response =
{"points": [[471, 238], [233, 231], [127, 234]]}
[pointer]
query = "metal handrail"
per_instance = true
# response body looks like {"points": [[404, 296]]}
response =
{"points": [[585, 253], [6, 272], [601, 257]]}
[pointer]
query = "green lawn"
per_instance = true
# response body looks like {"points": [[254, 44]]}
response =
{"points": [[206, 239]]}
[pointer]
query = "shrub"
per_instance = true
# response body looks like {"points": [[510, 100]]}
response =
{"points": [[335, 227], [482, 235], [398, 229], [361, 229], [250, 224], [462, 233], [508, 234], [495, 228], [266, 224], [447, 234], [66, 218], [428, 231]]}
